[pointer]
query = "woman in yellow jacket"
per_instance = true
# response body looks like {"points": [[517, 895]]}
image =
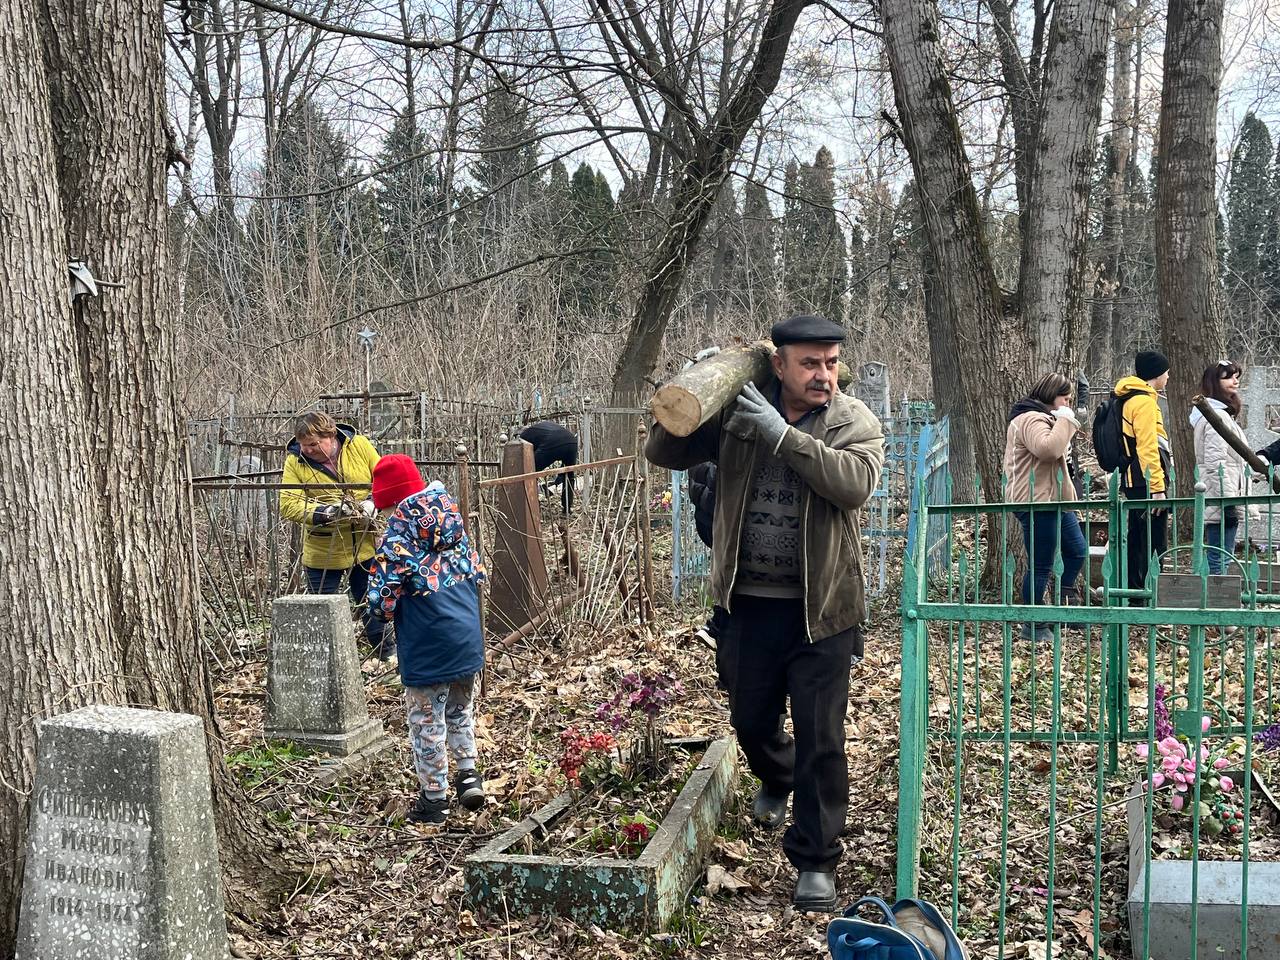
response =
{"points": [[337, 523]]}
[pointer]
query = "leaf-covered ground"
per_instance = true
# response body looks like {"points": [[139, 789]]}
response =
{"points": [[380, 888]]}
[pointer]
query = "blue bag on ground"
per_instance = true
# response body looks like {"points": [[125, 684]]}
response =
{"points": [[909, 930]]}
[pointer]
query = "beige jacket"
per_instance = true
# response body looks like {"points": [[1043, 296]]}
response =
{"points": [[839, 462], [1035, 458]]}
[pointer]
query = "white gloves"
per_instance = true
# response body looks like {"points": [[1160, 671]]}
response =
{"points": [[368, 510], [1066, 413], [705, 353]]}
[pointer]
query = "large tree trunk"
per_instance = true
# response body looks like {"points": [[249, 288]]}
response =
{"points": [[58, 653], [1186, 208], [1101, 363], [695, 196], [977, 333], [107, 63], [1051, 281]]}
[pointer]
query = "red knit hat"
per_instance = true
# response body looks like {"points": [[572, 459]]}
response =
{"points": [[395, 477]]}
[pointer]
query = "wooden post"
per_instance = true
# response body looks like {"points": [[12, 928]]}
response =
{"points": [[519, 564], [641, 468]]}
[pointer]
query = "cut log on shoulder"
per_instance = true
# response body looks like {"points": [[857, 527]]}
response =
{"points": [[1233, 439], [698, 392]]}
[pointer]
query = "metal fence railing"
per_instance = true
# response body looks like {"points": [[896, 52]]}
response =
{"points": [[1024, 759]]}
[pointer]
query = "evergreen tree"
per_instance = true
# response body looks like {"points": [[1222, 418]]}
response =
{"points": [[816, 277], [592, 223], [408, 202], [1250, 211], [759, 261], [504, 167]]}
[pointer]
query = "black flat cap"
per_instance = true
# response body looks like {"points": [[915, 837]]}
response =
{"points": [[806, 328]]}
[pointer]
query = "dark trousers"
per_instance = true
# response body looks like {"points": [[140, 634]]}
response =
{"points": [[1044, 533], [565, 454], [330, 581], [764, 658], [1140, 548]]}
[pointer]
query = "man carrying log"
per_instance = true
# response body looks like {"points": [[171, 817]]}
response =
{"points": [[797, 459]]}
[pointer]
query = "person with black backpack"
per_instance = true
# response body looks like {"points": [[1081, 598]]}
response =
{"points": [[1131, 421]]}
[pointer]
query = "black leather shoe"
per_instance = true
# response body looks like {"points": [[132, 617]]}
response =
{"points": [[767, 810], [816, 891]]}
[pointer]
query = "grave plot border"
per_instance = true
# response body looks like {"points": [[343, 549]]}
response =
{"points": [[639, 894]]}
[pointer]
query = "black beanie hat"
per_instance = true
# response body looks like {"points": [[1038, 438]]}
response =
{"points": [[1149, 364]]}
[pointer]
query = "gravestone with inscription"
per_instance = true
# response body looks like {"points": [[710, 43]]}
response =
{"points": [[122, 854], [314, 693]]}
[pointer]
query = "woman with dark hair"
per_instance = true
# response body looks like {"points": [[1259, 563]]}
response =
{"points": [[1041, 427], [1223, 471]]}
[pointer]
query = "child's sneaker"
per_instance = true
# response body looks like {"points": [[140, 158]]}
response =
{"points": [[428, 810], [470, 789]]}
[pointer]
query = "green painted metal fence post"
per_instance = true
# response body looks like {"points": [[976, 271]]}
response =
{"points": [[914, 707]]}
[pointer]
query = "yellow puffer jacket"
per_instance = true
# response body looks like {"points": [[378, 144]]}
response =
{"points": [[1143, 426], [334, 546]]}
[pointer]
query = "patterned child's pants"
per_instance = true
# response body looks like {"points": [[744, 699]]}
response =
{"points": [[440, 717]]}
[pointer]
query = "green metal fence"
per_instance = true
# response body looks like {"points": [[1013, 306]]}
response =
{"points": [[1021, 803]]}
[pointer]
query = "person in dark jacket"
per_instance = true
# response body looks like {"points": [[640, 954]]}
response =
{"points": [[1271, 453], [702, 493], [425, 578], [553, 443]]}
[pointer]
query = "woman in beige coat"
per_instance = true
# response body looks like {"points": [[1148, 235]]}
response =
{"points": [[1041, 427]]}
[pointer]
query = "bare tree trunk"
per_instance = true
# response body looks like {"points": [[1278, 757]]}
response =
{"points": [[976, 331], [1051, 281], [57, 651], [1186, 208], [703, 177], [114, 211], [1124, 314], [1101, 361]]}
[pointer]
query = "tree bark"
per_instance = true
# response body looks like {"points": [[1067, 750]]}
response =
{"points": [[694, 198], [58, 653], [1101, 363], [1051, 280], [107, 63], [1186, 208], [984, 341]]}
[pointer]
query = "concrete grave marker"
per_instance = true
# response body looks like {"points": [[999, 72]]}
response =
{"points": [[122, 853], [1260, 405], [315, 696]]}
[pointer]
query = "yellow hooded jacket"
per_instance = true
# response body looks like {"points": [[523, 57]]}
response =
{"points": [[1144, 426], [334, 546]]}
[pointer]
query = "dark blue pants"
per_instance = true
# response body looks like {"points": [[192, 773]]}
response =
{"points": [[330, 581], [1221, 533], [1044, 532]]}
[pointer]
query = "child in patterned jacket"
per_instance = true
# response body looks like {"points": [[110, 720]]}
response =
{"points": [[425, 578]]}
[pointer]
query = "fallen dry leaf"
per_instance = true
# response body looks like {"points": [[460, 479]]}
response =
{"points": [[718, 878]]}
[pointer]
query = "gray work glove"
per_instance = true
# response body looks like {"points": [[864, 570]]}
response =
{"points": [[755, 412], [368, 510]]}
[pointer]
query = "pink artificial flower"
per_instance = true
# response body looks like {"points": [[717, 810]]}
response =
{"points": [[1157, 779], [1170, 764], [1205, 724], [1226, 783], [1180, 787], [1177, 801], [1142, 751], [1221, 763], [1179, 777], [1173, 744]]}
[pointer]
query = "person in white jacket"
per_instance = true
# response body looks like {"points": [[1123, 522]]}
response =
{"points": [[1223, 471]]}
